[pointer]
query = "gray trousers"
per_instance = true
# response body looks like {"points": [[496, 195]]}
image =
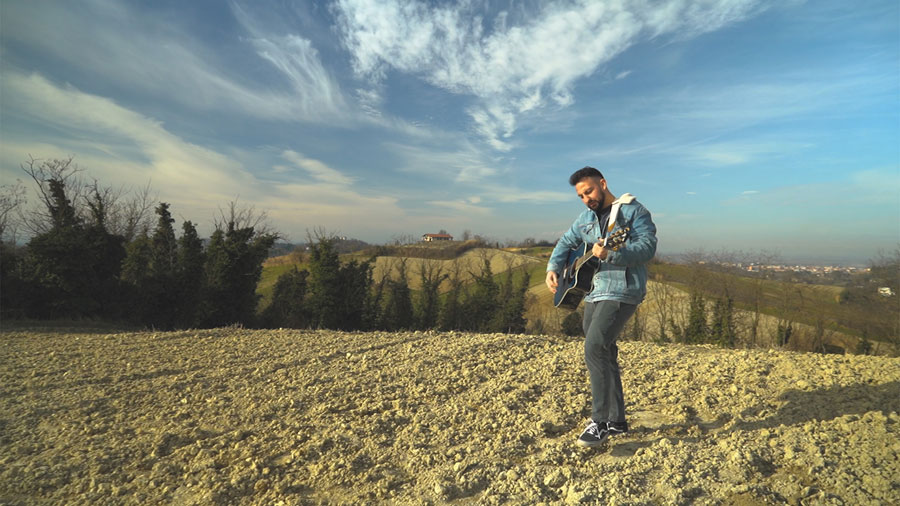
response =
{"points": [[603, 321]]}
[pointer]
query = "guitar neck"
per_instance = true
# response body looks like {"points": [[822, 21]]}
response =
{"points": [[584, 258]]}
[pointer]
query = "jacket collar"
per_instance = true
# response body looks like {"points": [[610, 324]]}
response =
{"points": [[625, 198]]}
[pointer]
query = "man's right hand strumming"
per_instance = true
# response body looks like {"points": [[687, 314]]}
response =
{"points": [[552, 281]]}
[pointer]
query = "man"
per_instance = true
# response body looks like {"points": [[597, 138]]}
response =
{"points": [[619, 285]]}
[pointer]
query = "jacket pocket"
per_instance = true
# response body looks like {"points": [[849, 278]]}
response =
{"points": [[588, 232], [611, 279]]}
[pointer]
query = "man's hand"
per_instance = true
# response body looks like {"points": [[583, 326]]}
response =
{"points": [[600, 251], [551, 281]]}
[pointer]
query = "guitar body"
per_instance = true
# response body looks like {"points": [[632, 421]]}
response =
{"points": [[576, 279]]}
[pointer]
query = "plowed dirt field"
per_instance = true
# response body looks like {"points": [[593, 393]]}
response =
{"points": [[233, 416]]}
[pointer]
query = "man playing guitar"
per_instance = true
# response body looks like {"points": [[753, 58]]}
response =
{"points": [[619, 285]]}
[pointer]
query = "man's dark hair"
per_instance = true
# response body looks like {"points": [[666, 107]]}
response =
{"points": [[584, 173]]}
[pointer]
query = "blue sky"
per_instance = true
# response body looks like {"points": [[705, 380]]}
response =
{"points": [[741, 124]]}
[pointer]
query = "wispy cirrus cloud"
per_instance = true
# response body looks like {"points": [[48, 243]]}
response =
{"points": [[463, 163], [140, 53], [463, 206], [519, 62], [317, 169], [119, 146]]}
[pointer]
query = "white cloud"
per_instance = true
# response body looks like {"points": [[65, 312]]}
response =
{"points": [[736, 153], [119, 146], [123, 136], [513, 195], [137, 52], [318, 170], [514, 68], [317, 94], [463, 163], [462, 207]]}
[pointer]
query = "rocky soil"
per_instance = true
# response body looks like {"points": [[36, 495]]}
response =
{"points": [[232, 416]]}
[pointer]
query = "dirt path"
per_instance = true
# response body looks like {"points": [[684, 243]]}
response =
{"points": [[231, 416]]}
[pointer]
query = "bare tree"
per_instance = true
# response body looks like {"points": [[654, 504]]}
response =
{"points": [[240, 217], [662, 300], [12, 197], [404, 239], [133, 216], [757, 293], [124, 214], [40, 220]]}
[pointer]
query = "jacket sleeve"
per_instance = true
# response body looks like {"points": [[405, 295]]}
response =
{"points": [[570, 240], [641, 245]]}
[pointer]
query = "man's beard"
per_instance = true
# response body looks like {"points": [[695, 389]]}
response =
{"points": [[596, 205]]}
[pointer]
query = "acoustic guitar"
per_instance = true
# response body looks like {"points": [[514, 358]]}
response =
{"points": [[577, 277]]}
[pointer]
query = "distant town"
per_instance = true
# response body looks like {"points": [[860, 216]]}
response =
{"points": [[814, 269]]}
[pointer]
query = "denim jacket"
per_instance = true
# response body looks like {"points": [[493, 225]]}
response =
{"points": [[623, 275]]}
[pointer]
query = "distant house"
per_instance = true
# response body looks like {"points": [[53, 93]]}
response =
{"points": [[437, 237]]}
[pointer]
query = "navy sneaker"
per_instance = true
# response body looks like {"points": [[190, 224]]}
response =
{"points": [[594, 435], [617, 428]]}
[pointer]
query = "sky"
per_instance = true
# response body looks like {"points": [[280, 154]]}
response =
{"points": [[742, 125]]}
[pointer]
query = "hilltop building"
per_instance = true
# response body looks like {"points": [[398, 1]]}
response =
{"points": [[437, 237]]}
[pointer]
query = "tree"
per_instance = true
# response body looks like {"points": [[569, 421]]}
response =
{"points": [[288, 308], [480, 303], [189, 275], [161, 269], [53, 179], [722, 331], [338, 296], [72, 266], [356, 308], [510, 314], [783, 333], [234, 257], [164, 245], [634, 329], [573, 323], [324, 290], [13, 290], [756, 296], [397, 308], [12, 198], [427, 304], [697, 330], [661, 297], [150, 270], [452, 311]]}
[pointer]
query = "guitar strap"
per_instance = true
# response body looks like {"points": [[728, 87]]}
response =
{"points": [[626, 198]]}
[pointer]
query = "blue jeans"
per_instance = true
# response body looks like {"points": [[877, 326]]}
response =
{"points": [[603, 321]]}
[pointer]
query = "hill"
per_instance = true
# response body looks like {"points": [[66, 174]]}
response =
{"points": [[468, 261], [819, 318], [231, 416]]}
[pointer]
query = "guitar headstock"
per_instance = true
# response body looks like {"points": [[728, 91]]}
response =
{"points": [[617, 238]]}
